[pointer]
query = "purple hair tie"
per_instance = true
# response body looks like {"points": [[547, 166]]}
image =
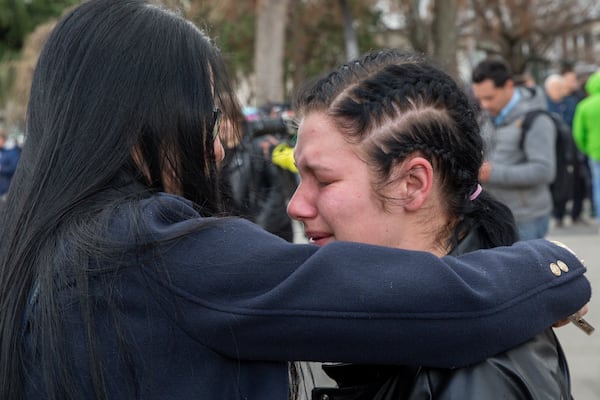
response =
{"points": [[476, 193]]}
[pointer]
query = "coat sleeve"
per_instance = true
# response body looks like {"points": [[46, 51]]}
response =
{"points": [[249, 295]]}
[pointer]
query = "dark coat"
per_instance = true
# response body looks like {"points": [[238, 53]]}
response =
{"points": [[217, 311], [257, 189]]}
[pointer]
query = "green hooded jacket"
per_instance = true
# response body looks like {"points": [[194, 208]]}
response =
{"points": [[586, 124]]}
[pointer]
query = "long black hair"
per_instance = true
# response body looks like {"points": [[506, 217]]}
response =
{"points": [[397, 104], [122, 106]]}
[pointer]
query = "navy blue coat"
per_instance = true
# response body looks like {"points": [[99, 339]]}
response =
{"points": [[216, 313], [9, 158]]}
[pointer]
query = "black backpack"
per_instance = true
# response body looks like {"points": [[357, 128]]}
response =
{"points": [[566, 155]]}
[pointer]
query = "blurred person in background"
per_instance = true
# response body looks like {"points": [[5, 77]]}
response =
{"points": [[517, 176], [586, 131], [254, 187], [582, 176], [556, 90], [10, 153]]}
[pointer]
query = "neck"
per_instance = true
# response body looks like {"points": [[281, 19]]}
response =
{"points": [[430, 231]]}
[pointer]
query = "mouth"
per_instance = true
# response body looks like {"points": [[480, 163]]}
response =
{"points": [[319, 238]]}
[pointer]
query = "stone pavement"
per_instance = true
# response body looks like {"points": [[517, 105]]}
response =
{"points": [[582, 351]]}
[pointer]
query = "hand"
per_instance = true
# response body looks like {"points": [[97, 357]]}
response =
{"points": [[579, 314], [578, 320]]}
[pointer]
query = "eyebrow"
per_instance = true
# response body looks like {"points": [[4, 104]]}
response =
{"points": [[313, 166]]}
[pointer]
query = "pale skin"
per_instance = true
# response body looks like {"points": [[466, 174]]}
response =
{"points": [[336, 199], [556, 87], [491, 97]]}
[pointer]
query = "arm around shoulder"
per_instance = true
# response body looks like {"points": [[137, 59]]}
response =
{"points": [[282, 301]]}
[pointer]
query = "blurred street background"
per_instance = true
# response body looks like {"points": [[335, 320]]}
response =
{"points": [[582, 351], [271, 46]]}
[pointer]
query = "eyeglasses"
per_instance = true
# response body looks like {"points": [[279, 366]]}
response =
{"points": [[217, 118]]}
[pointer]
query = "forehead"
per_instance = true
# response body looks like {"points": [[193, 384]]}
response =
{"points": [[320, 144], [486, 88]]}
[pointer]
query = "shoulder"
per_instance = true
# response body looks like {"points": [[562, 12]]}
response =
{"points": [[536, 368], [164, 217], [532, 98], [589, 104], [537, 120]]}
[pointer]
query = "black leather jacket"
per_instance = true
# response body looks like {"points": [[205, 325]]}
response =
{"points": [[535, 370], [255, 188]]}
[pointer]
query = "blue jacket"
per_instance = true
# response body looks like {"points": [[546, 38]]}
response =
{"points": [[9, 158], [565, 108], [217, 312]]}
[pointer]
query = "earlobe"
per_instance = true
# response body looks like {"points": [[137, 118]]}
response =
{"points": [[417, 182]]}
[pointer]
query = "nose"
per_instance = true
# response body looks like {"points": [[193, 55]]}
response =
{"points": [[302, 204]]}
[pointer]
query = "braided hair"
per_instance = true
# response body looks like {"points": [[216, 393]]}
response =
{"points": [[396, 104]]}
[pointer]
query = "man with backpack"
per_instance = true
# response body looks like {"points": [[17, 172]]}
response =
{"points": [[520, 167]]}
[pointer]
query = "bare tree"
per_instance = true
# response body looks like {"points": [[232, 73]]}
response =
{"points": [[445, 35], [269, 50], [523, 30], [313, 30], [417, 25], [349, 31], [431, 27]]}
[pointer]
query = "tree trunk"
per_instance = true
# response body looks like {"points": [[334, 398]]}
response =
{"points": [[269, 50], [349, 31], [417, 27], [444, 34]]}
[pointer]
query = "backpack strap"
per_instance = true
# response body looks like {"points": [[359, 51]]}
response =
{"points": [[527, 122]]}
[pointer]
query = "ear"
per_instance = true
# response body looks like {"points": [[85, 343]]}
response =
{"points": [[415, 182]]}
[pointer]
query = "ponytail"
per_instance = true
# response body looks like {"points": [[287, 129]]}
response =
{"points": [[492, 220]]}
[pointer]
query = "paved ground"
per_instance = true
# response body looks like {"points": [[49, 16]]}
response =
{"points": [[583, 352]]}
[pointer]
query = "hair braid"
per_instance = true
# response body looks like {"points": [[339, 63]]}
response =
{"points": [[396, 104]]}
